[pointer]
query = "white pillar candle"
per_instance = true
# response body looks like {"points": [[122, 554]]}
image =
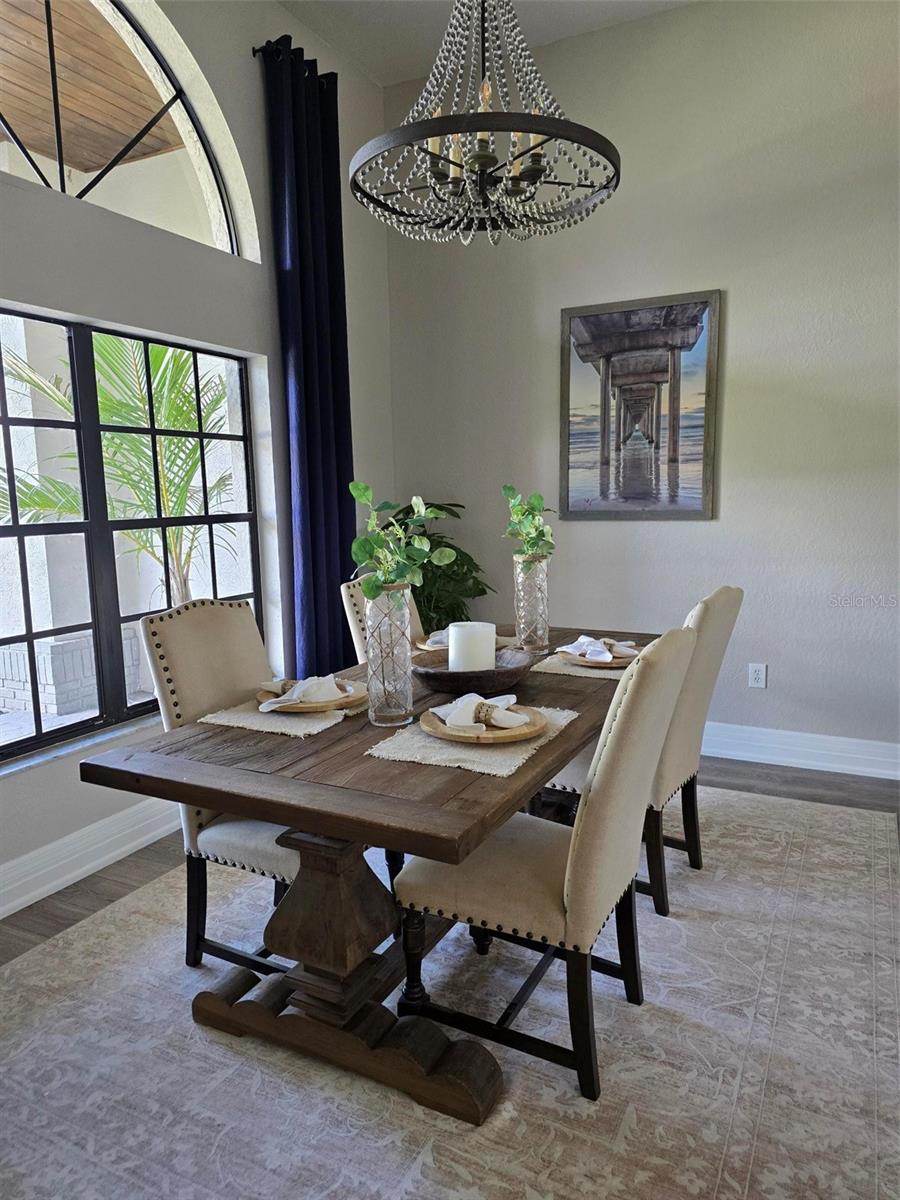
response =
{"points": [[472, 646]]}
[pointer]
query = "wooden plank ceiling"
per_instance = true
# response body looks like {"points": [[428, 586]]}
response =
{"points": [[105, 95]]}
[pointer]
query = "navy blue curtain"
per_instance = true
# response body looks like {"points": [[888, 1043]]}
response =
{"points": [[305, 169]]}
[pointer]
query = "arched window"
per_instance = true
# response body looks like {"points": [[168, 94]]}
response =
{"points": [[89, 107]]}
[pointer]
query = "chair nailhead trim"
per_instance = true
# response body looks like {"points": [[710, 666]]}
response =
{"points": [[677, 790], [530, 935], [227, 862]]}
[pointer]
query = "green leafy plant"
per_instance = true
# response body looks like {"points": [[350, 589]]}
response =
{"points": [[526, 522], [128, 466], [444, 592], [396, 550]]}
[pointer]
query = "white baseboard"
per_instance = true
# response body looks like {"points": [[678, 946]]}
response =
{"points": [[811, 751], [43, 871]]}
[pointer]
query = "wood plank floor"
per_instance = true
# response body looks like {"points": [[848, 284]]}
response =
{"points": [[35, 924]]}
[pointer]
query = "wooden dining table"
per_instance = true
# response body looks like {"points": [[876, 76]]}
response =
{"points": [[336, 801]]}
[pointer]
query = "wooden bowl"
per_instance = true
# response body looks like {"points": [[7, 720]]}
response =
{"points": [[510, 667]]}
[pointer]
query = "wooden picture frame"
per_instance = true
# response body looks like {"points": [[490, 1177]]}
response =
{"points": [[623, 455]]}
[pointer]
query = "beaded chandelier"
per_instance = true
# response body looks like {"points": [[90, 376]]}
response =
{"points": [[486, 148]]}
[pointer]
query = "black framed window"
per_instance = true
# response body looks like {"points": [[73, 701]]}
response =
{"points": [[126, 488]]}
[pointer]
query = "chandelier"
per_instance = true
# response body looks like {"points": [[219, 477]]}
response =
{"points": [[486, 148]]}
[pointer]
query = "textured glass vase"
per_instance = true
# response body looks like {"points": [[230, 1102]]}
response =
{"points": [[532, 603], [389, 655]]}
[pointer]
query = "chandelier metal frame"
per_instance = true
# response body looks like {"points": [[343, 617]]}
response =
{"points": [[440, 177]]}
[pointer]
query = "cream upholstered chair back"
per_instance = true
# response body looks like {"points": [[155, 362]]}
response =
{"points": [[712, 619], [606, 839], [203, 655], [355, 609]]}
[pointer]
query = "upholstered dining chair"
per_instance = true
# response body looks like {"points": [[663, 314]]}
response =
{"points": [[713, 619], [551, 888], [355, 610], [207, 655]]}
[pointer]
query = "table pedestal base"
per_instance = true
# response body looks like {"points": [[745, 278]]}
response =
{"points": [[413, 1055], [332, 918]]}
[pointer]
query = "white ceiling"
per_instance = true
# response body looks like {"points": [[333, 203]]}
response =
{"points": [[396, 40]]}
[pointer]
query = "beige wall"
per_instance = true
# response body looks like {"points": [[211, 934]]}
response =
{"points": [[759, 150]]}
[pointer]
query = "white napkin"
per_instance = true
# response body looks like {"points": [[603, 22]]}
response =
{"points": [[600, 649], [438, 640], [308, 691], [463, 712]]}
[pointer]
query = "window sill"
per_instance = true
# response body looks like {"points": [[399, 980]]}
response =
{"points": [[78, 744]]}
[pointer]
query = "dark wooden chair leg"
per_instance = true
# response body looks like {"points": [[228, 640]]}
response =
{"points": [[280, 888], [656, 860], [481, 937], [629, 952], [414, 951], [196, 910], [581, 1022], [691, 819], [395, 860]]}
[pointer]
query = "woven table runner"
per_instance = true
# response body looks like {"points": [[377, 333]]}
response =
{"points": [[412, 745], [554, 665], [298, 725]]}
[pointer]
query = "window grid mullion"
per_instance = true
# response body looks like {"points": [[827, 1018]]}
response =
{"points": [[249, 475], [40, 634], [209, 526], [104, 592], [155, 449], [15, 527]]}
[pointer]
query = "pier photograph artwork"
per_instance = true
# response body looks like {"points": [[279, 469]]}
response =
{"points": [[638, 392]]}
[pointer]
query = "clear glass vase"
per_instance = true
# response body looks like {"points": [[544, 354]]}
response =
{"points": [[389, 655], [532, 602]]}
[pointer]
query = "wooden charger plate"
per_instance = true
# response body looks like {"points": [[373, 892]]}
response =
{"points": [[614, 664], [355, 695], [432, 724]]}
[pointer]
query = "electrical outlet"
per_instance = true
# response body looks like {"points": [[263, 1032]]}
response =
{"points": [[757, 675]]}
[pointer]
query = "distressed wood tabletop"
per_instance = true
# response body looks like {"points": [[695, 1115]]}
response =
{"points": [[327, 785]]}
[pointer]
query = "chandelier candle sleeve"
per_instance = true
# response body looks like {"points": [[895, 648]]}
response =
{"points": [[434, 143], [472, 646], [485, 106]]}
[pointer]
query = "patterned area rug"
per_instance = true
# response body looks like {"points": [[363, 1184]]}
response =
{"points": [[764, 1062]]}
